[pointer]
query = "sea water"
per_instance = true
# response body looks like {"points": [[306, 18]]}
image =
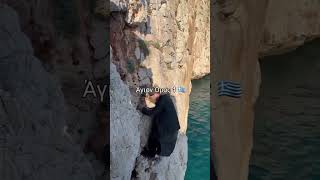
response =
{"points": [[199, 131], [286, 132]]}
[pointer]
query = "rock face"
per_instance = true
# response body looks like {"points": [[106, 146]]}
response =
{"points": [[201, 44], [127, 126], [70, 42], [245, 30], [172, 167], [32, 114], [289, 24], [168, 45], [124, 124], [163, 43], [238, 29]]}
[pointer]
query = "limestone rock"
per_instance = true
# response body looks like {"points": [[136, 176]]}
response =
{"points": [[201, 44], [144, 77], [99, 39], [245, 30], [18, 42], [33, 145], [118, 5], [124, 132], [165, 168], [235, 58], [289, 24], [170, 36], [69, 59], [137, 53], [99, 69], [136, 10]]}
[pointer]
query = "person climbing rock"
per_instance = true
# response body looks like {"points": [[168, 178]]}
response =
{"points": [[165, 125]]}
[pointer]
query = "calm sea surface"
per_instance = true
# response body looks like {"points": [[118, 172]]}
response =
{"points": [[199, 131], [287, 120]]}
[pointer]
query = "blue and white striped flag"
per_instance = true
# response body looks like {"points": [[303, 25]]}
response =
{"points": [[228, 88], [181, 89]]}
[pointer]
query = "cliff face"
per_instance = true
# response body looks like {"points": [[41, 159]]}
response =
{"points": [[289, 24], [163, 43], [125, 137], [69, 41], [129, 130], [32, 114], [201, 43], [245, 30]]}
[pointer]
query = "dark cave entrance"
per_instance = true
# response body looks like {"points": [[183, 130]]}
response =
{"points": [[286, 131]]}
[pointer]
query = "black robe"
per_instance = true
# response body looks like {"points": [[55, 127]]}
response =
{"points": [[165, 124]]}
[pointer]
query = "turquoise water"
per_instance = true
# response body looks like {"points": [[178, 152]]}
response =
{"points": [[199, 131]]}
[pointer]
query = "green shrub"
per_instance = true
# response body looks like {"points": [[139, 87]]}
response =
{"points": [[130, 66], [144, 47], [157, 45]]}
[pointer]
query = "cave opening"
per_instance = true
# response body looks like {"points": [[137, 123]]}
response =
{"points": [[286, 135]]}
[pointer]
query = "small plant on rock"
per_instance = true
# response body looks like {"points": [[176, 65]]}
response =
{"points": [[130, 66], [157, 45], [144, 47]]}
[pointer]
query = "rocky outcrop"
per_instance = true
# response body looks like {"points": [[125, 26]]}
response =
{"points": [[69, 40], [124, 124], [244, 30], [167, 45], [289, 24], [163, 43], [129, 133], [32, 114], [165, 168], [238, 26], [201, 44]]}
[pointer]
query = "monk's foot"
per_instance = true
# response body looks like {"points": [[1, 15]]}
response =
{"points": [[148, 154]]}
